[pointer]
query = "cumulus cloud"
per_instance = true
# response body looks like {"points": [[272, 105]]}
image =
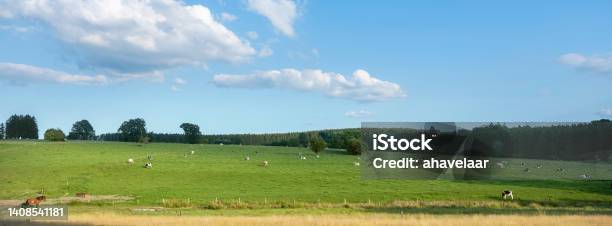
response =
{"points": [[22, 73], [134, 37], [597, 63], [281, 13], [228, 17], [358, 114], [361, 86], [606, 112]]}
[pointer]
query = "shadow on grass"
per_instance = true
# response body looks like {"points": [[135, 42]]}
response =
{"points": [[334, 151]]}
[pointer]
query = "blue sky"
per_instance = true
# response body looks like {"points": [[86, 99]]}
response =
{"points": [[275, 65]]}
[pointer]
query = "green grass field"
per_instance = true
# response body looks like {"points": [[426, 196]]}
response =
{"points": [[221, 173]]}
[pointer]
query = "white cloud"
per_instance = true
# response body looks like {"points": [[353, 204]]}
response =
{"points": [[606, 112], [252, 35], [266, 51], [281, 13], [360, 86], [180, 81], [141, 37], [598, 63], [358, 114], [20, 29], [22, 73], [228, 17]]}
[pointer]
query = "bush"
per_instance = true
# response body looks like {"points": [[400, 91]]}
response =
{"points": [[54, 135], [353, 146], [317, 144]]}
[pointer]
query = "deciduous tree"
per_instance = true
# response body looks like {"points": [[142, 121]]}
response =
{"points": [[133, 130], [82, 130], [21, 126], [192, 133]]}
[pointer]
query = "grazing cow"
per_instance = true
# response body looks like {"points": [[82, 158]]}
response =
{"points": [[584, 177], [148, 165], [356, 163], [130, 161], [507, 194], [81, 194], [34, 201], [247, 158], [265, 163]]}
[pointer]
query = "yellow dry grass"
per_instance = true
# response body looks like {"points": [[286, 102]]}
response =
{"points": [[353, 219]]}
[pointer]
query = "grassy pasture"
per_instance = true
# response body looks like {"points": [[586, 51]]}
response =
{"points": [[221, 173]]}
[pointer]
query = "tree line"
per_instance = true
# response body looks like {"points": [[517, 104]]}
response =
{"points": [[580, 141], [317, 140], [134, 130], [26, 127]]}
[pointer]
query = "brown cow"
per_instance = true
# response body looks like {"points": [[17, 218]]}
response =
{"points": [[35, 201], [81, 194]]}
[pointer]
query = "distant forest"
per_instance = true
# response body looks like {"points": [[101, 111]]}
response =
{"points": [[334, 138], [580, 141], [584, 141]]}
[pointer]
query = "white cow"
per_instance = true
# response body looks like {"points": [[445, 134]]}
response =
{"points": [[148, 165], [130, 161]]}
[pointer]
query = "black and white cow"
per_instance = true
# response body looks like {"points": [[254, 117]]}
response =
{"points": [[507, 194]]}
